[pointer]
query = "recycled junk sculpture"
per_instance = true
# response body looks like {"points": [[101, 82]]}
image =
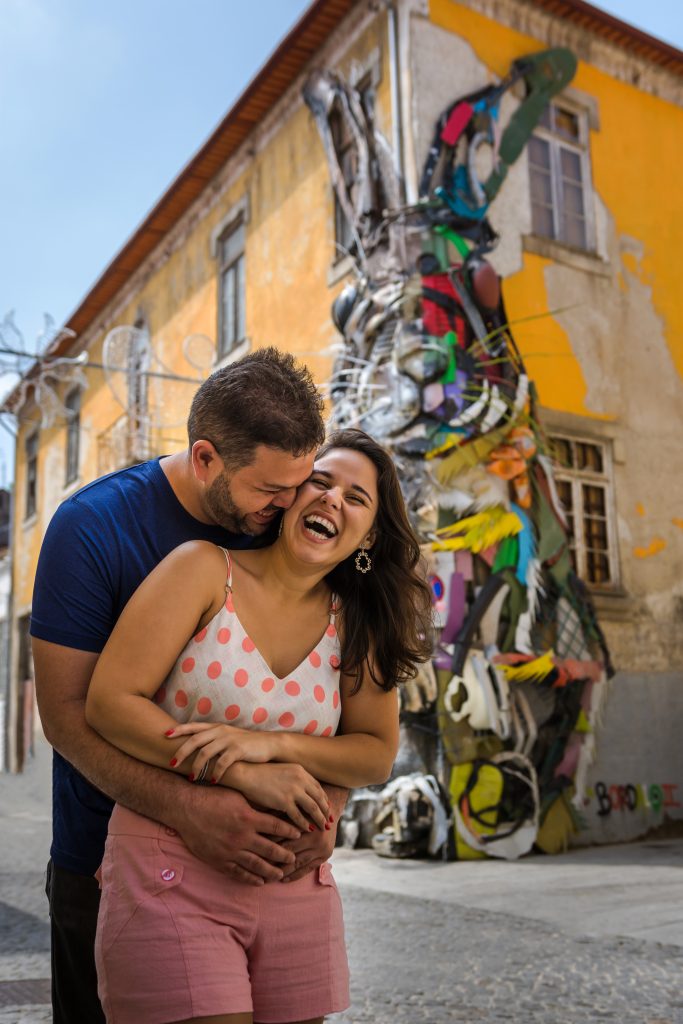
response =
{"points": [[430, 368]]}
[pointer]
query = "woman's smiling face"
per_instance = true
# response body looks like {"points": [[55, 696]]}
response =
{"points": [[335, 509]]}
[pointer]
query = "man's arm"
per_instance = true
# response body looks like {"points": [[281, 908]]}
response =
{"points": [[218, 825]]}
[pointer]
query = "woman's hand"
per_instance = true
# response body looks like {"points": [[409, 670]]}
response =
{"points": [[289, 788], [222, 744]]}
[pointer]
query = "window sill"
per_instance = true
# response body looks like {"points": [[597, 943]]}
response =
{"points": [[340, 269], [579, 259], [29, 522], [612, 605], [233, 355]]}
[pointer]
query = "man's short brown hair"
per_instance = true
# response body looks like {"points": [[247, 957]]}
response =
{"points": [[264, 398]]}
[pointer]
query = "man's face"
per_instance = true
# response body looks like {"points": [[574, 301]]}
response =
{"points": [[247, 500]]}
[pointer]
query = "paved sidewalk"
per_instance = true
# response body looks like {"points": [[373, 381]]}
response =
{"points": [[594, 935]]}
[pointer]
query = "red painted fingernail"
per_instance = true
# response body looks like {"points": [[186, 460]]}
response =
{"points": [[169, 732], [311, 828], [190, 777], [214, 782], [331, 819], [173, 762], [327, 827]]}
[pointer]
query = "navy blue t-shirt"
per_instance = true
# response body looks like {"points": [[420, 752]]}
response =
{"points": [[99, 546]]}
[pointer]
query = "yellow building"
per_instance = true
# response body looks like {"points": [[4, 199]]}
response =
{"points": [[240, 252]]}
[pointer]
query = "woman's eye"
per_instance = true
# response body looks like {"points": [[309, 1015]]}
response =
{"points": [[318, 483]]}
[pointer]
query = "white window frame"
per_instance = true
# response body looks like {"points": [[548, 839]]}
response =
{"points": [[576, 478], [582, 148]]}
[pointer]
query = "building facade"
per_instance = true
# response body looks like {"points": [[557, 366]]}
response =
{"points": [[248, 247]]}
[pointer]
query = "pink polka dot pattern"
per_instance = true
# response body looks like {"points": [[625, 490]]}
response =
{"points": [[221, 676]]}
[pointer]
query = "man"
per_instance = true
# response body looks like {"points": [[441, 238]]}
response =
{"points": [[253, 429]]}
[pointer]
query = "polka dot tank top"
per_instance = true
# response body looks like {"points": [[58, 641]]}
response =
{"points": [[221, 676]]}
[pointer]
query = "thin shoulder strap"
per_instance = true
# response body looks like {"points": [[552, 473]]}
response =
{"points": [[228, 559], [334, 608]]}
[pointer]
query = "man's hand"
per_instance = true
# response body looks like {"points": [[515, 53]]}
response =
{"points": [[314, 848], [223, 830]]}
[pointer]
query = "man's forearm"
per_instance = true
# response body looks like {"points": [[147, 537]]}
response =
{"points": [[153, 792]]}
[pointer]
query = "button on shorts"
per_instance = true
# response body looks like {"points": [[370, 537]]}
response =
{"points": [[178, 939]]}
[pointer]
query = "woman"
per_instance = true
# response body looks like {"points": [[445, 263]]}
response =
{"points": [[286, 682]]}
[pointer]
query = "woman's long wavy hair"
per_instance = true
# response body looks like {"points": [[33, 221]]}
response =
{"points": [[386, 614]]}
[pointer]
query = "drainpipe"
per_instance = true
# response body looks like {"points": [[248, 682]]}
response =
{"points": [[402, 13], [396, 111]]}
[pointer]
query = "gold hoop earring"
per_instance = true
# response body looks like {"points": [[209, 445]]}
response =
{"points": [[367, 566]]}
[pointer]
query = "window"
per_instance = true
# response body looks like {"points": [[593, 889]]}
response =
{"points": [[347, 156], [31, 450], [72, 404], [584, 484], [231, 320], [559, 177]]}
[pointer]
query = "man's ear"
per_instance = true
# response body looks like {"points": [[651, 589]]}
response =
{"points": [[205, 460]]}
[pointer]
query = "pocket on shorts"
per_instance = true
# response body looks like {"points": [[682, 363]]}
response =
{"points": [[325, 876], [135, 870]]}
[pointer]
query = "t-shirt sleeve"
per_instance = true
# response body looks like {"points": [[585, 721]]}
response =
{"points": [[74, 595]]}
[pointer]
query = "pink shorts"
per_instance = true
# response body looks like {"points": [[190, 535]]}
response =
{"points": [[178, 939]]}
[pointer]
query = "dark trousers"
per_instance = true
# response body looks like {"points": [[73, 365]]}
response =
{"points": [[74, 901]]}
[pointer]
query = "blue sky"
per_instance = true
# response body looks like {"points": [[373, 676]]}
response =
{"points": [[101, 104]]}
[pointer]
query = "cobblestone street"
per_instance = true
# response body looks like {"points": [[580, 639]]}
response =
{"points": [[594, 936]]}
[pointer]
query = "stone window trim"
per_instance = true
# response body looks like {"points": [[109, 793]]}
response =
{"points": [[560, 175]]}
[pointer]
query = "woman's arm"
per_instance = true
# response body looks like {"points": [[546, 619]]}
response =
{"points": [[181, 594], [177, 599], [361, 755]]}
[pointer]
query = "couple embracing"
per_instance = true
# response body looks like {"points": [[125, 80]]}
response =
{"points": [[218, 636]]}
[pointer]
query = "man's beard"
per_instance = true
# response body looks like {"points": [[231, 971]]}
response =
{"points": [[223, 510]]}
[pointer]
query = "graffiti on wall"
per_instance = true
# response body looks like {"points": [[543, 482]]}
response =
{"points": [[428, 365], [640, 796]]}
